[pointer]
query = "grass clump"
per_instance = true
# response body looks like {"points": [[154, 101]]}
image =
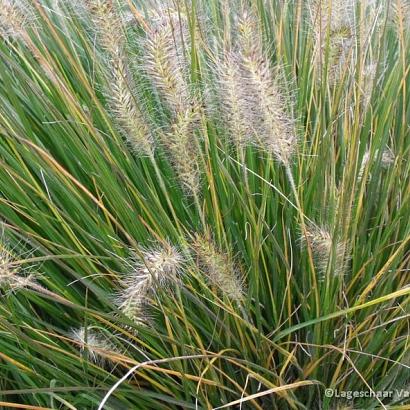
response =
{"points": [[204, 204]]}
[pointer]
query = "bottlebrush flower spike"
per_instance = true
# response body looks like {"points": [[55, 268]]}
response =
{"points": [[401, 14], [333, 15], [12, 276], [183, 149], [123, 102], [367, 84], [322, 243], [164, 58], [107, 24], [14, 16], [218, 267], [261, 101], [333, 25], [94, 342], [234, 99], [124, 108], [387, 159], [155, 268], [275, 128], [167, 68]]}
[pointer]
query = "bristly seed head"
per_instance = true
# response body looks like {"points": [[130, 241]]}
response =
{"points": [[233, 95], [337, 26], [126, 111], [107, 24], [14, 16], [164, 58], [94, 342], [367, 84], [167, 68], [387, 159], [324, 248], [218, 267], [401, 14], [12, 275], [332, 15], [333, 26], [154, 269], [183, 149], [252, 94]]}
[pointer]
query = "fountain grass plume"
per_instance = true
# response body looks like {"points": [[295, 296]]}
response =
{"points": [[324, 247], [15, 16], [18, 271], [387, 159], [127, 113], [338, 27], [218, 267], [164, 58], [401, 14], [123, 102], [180, 143], [13, 274], [167, 68], [94, 342], [233, 99], [333, 26], [262, 99], [107, 25], [149, 270]]}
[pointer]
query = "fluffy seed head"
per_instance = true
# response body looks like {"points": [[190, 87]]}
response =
{"points": [[218, 267], [127, 113], [106, 23], [260, 103], [336, 27], [154, 269], [249, 35], [274, 128], [13, 19], [233, 99], [401, 13], [164, 58], [323, 247], [332, 23], [12, 277], [125, 110], [333, 15], [160, 264], [132, 301], [166, 65], [369, 75], [94, 342], [183, 149], [7, 271], [387, 159]]}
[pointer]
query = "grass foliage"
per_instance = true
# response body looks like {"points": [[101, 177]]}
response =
{"points": [[204, 204]]}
